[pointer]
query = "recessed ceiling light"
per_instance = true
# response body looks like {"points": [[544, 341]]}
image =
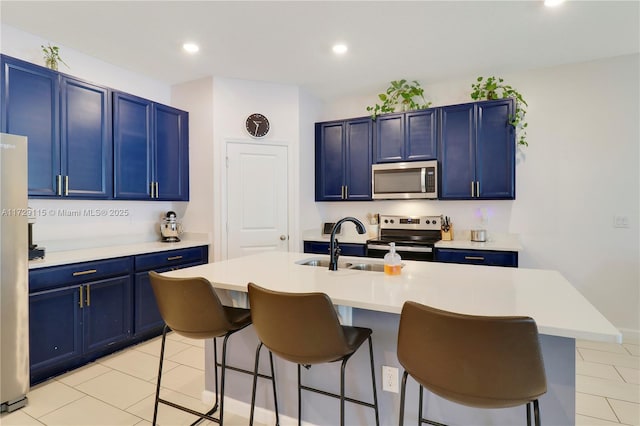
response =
{"points": [[340, 49], [553, 3], [191, 47]]}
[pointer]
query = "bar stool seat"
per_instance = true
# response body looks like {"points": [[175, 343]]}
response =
{"points": [[191, 308], [304, 328], [477, 361]]}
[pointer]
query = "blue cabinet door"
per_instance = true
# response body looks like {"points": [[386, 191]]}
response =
{"points": [[107, 312], [477, 151], [343, 160], [54, 330], [495, 150], [358, 159], [132, 144], [330, 161], [457, 151], [421, 135], [86, 148], [171, 153], [389, 140], [410, 136], [147, 316], [30, 99]]}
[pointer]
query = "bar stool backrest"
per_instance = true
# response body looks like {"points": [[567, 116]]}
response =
{"points": [[479, 361], [190, 306], [299, 327]]}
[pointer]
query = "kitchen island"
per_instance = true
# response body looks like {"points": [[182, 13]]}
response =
{"points": [[561, 313]]}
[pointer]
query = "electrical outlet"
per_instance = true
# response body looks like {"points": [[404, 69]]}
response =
{"points": [[620, 221], [389, 379]]}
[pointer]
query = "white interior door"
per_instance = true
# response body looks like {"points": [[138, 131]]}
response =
{"points": [[257, 202]]}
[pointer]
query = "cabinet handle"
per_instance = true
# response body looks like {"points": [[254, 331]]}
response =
{"points": [[477, 188], [66, 186], [87, 272], [81, 298], [174, 258], [88, 295], [473, 258], [473, 188], [157, 190], [346, 192], [58, 184], [152, 189]]}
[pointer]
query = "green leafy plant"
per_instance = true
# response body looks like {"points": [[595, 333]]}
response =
{"points": [[400, 95], [52, 56], [494, 88]]}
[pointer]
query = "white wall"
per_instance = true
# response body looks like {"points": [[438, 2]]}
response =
{"points": [[58, 230], [197, 98], [579, 171], [233, 101]]}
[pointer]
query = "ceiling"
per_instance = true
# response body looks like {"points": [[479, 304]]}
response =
{"points": [[290, 42]]}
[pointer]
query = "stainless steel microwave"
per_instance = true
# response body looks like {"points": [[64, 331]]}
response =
{"points": [[396, 181]]}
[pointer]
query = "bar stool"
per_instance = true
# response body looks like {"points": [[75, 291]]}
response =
{"points": [[191, 308], [478, 361], [303, 328]]}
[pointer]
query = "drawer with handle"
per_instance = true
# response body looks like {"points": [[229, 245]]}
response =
{"points": [[145, 262], [478, 257], [77, 273]]}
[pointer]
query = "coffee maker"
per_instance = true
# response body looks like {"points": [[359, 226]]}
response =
{"points": [[35, 252], [170, 228]]}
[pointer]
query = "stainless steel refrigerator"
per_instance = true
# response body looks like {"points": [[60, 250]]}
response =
{"points": [[14, 272]]}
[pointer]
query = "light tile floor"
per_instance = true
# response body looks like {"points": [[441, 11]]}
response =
{"points": [[119, 389]]}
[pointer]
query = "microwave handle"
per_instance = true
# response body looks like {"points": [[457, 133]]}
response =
{"points": [[423, 179]]}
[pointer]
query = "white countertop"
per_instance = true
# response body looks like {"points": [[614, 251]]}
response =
{"points": [[97, 253], [558, 308], [499, 242], [462, 240]]}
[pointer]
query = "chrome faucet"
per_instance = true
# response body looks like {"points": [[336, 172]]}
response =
{"points": [[334, 249]]}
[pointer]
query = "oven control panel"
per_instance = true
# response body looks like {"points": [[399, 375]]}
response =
{"points": [[411, 222]]}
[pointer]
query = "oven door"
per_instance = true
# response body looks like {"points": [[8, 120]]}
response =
{"points": [[421, 253]]}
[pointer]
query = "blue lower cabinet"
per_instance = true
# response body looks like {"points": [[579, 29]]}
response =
{"points": [[55, 331], [68, 324], [477, 257], [107, 313], [80, 312], [346, 249], [147, 320]]}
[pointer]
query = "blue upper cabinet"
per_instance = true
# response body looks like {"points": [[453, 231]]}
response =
{"points": [[67, 122], [30, 107], [150, 150], [172, 153], [133, 147], [407, 136], [86, 155], [477, 151], [343, 160]]}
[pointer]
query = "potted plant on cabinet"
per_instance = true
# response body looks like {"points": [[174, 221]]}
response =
{"points": [[52, 56], [494, 88], [400, 96]]}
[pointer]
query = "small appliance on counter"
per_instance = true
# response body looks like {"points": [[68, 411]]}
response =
{"points": [[479, 235], [170, 228], [35, 252]]}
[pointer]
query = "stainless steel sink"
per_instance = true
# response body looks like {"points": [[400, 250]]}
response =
{"points": [[317, 262], [360, 266], [377, 267]]}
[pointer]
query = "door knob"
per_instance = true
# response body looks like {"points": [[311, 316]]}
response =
{"points": [[283, 237]]}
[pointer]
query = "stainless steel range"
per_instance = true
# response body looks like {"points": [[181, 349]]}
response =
{"points": [[414, 237]]}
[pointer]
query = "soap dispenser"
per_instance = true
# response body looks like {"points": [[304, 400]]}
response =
{"points": [[392, 261]]}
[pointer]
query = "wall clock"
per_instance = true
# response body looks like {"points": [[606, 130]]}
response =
{"points": [[257, 125]]}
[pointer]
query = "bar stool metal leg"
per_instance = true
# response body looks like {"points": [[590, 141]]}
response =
{"points": [[373, 381], [255, 384]]}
